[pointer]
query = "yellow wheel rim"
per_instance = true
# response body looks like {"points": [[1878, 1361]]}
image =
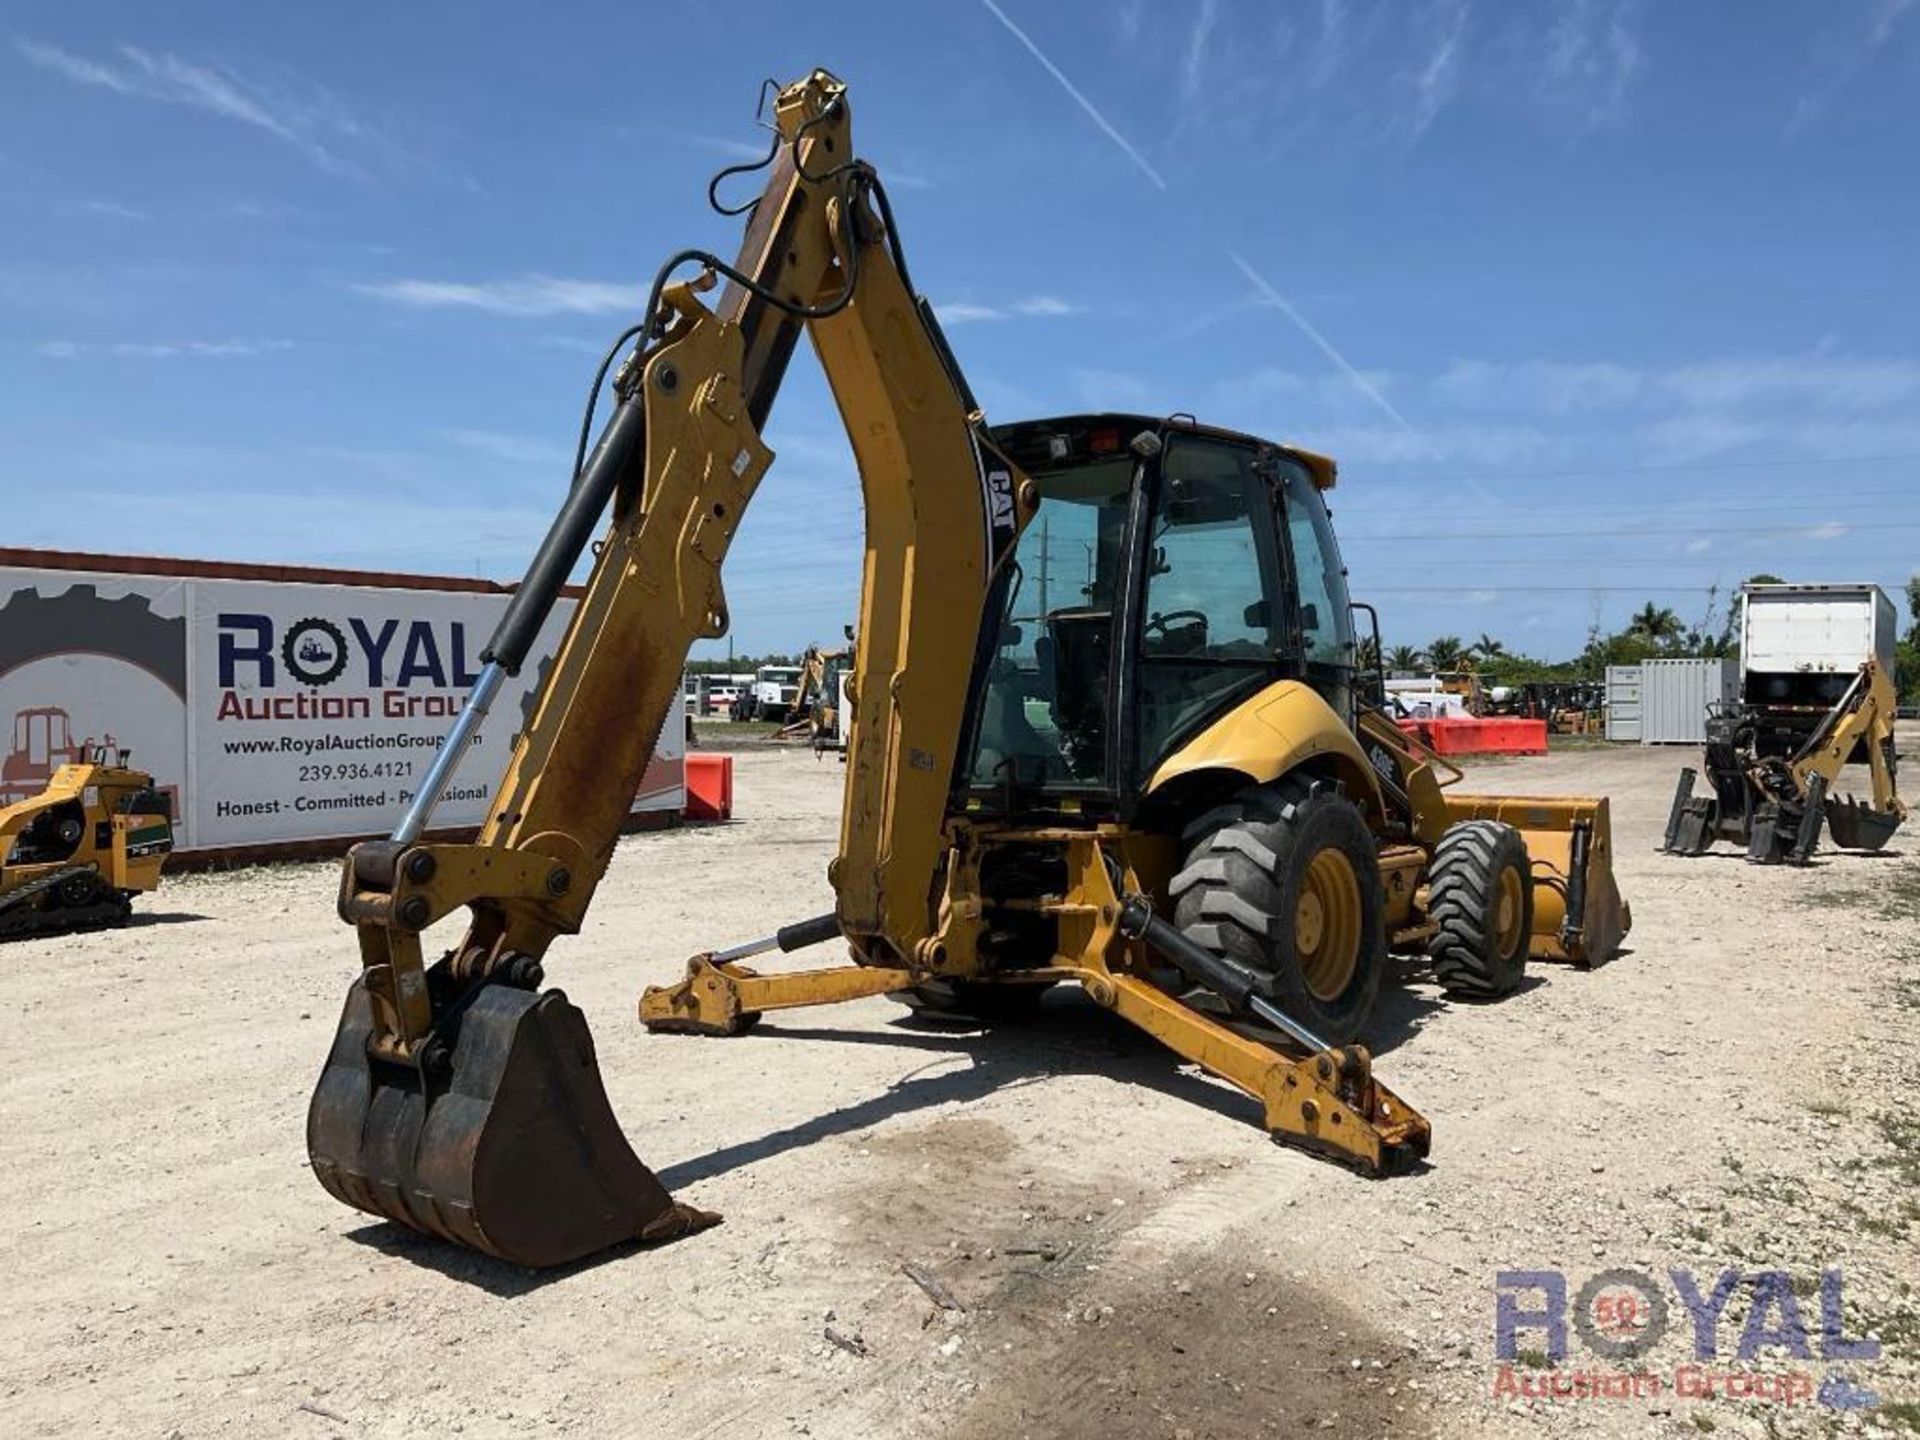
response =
{"points": [[1508, 913], [1326, 925]]}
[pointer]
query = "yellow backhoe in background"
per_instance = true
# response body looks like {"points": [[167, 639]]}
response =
{"points": [[1775, 805], [1107, 730], [74, 856]]}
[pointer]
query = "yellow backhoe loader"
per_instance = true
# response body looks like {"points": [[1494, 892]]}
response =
{"points": [[1775, 805], [74, 856], [818, 719], [1106, 731]]}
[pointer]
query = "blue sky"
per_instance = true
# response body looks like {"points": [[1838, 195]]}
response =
{"points": [[1593, 301]]}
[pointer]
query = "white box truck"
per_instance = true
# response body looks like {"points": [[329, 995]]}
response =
{"points": [[1800, 648]]}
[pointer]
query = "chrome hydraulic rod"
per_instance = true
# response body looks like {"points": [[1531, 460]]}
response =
{"points": [[486, 685], [788, 937], [1232, 982]]}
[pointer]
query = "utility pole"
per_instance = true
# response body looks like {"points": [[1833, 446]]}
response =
{"points": [[1046, 552]]}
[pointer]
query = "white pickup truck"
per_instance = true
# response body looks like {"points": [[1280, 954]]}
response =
{"points": [[772, 696]]}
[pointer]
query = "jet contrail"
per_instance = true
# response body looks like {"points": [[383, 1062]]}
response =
{"points": [[1260, 282], [1364, 385], [1081, 100]]}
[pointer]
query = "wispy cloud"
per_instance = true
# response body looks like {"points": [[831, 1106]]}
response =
{"points": [[1842, 53], [1332, 45], [515, 449], [1438, 77], [1193, 65], [1592, 56], [160, 349], [1750, 384], [1035, 307], [1111, 390], [313, 126], [1831, 530], [112, 210], [520, 296], [732, 149], [1812, 406], [1106, 128]]}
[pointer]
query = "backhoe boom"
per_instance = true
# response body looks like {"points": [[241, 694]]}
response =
{"points": [[678, 462]]}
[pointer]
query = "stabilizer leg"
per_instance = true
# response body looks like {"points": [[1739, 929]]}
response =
{"points": [[1693, 823], [1328, 1103]]}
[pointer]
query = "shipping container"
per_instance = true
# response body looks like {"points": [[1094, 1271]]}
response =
{"points": [[1623, 702], [1676, 693]]}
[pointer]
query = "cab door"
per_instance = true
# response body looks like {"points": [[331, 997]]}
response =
{"points": [[1215, 624]]}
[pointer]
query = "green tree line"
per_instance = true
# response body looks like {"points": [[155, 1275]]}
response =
{"points": [[1653, 631]]}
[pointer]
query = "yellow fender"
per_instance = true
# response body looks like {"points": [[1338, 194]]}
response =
{"points": [[1269, 734]]}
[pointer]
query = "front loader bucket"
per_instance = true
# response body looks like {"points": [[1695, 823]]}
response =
{"points": [[1578, 914], [515, 1151], [1854, 826]]}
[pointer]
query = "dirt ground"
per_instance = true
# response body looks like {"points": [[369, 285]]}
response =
{"points": [[1128, 1254]]}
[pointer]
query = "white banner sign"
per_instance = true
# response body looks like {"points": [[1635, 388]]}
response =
{"points": [[277, 712]]}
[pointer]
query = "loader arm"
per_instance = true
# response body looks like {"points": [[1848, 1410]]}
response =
{"points": [[678, 463]]}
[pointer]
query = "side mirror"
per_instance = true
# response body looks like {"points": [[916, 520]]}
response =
{"points": [[1159, 565], [1010, 636], [1258, 616], [1309, 616]]}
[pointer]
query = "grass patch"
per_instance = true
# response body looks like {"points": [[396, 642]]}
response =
{"points": [[1823, 1106], [1901, 1412], [1901, 1131], [1704, 1422], [1533, 1359]]}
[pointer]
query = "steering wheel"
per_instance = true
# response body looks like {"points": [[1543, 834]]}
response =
{"points": [[1163, 623]]}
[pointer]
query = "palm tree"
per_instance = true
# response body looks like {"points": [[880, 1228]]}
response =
{"points": [[1487, 648], [1656, 623], [1403, 657], [1446, 653], [1367, 656]]}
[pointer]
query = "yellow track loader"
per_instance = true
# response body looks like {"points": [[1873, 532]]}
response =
{"points": [[1106, 730], [1775, 805], [74, 856]]}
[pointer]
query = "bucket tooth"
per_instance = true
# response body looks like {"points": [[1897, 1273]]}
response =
{"points": [[514, 1152]]}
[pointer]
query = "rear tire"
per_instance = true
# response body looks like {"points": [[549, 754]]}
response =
{"points": [[1480, 896], [1285, 879]]}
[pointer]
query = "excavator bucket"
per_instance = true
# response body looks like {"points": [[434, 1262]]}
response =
{"points": [[1578, 914], [1855, 826], [512, 1149]]}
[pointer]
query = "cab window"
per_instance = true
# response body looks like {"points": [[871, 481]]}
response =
{"points": [[1209, 631], [1326, 623], [1043, 717]]}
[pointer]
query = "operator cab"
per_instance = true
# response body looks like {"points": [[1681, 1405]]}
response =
{"points": [[1202, 560]]}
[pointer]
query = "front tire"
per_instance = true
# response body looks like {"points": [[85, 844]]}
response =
{"points": [[1480, 898], [1285, 879]]}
